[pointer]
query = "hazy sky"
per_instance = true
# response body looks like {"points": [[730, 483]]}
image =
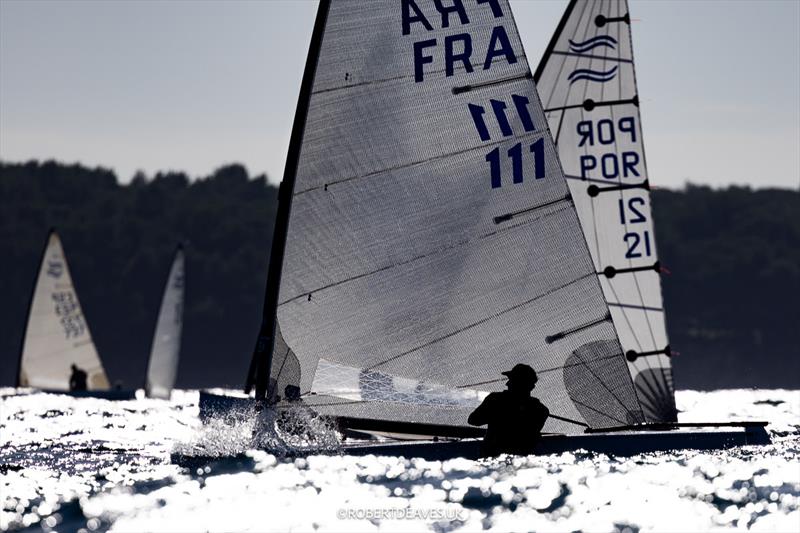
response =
{"points": [[191, 85]]}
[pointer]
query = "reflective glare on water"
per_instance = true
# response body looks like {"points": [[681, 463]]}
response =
{"points": [[84, 464]]}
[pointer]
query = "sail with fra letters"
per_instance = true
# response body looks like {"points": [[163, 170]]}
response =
{"points": [[57, 335], [164, 355], [426, 238], [587, 83]]}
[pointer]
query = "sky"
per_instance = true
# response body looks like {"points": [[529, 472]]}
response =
{"points": [[191, 85]]}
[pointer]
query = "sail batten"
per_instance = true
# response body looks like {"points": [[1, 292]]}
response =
{"points": [[56, 334], [431, 241], [592, 106]]}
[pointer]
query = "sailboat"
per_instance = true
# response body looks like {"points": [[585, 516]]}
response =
{"points": [[57, 335], [162, 367], [587, 83], [427, 239]]}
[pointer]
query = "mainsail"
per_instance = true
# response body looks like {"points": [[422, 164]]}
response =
{"points": [[426, 239], [587, 83], [57, 335], [163, 364]]}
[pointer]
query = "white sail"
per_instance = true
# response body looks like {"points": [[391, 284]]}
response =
{"points": [[432, 241], [587, 83], [163, 365], [57, 335]]}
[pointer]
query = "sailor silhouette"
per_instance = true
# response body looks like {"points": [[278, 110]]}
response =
{"points": [[514, 418], [77, 381]]}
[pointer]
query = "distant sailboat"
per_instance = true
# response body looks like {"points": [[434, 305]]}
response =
{"points": [[162, 367], [57, 335], [587, 83], [426, 239]]}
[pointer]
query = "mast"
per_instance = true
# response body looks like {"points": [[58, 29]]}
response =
{"points": [[262, 355], [553, 41]]}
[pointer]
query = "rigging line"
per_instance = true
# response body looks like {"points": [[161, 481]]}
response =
{"points": [[612, 417], [550, 339], [482, 321], [589, 104], [423, 256], [570, 420], [545, 370], [509, 216], [493, 83], [401, 166], [640, 307], [558, 135], [590, 56]]}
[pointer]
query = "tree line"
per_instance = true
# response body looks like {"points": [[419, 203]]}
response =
{"points": [[731, 295]]}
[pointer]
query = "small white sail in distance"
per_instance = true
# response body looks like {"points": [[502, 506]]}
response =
{"points": [[57, 335], [163, 364]]}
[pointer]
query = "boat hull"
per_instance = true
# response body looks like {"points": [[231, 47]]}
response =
{"points": [[97, 394], [614, 442]]}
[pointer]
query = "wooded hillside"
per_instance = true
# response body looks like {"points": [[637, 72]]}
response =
{"points": [[731, 297]]}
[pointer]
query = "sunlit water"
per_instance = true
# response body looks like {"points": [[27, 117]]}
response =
{"points": [[70, 464]]}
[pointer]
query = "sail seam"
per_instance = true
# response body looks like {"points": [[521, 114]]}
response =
{"points": [[456, 70], [589, 56]]}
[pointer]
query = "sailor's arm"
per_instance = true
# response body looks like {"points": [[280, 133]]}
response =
{"points": [[482, 413], [541, 417]]}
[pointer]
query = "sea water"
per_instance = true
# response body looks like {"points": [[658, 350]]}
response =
{"points": [[71, 464]]}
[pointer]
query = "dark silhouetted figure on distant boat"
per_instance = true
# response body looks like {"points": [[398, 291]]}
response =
{"points": [[515, 418], [77, 381]]}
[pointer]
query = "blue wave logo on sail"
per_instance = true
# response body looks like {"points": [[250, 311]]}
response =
{"points": [[55, 269], [590, 44], [592, 75]]}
